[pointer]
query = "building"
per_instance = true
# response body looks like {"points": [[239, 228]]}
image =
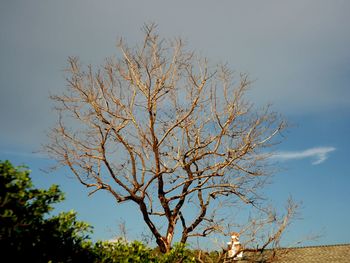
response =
{"points": [[321, 254]]}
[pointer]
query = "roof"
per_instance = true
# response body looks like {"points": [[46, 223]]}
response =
{"points": [[320, 254], [330, 253]]}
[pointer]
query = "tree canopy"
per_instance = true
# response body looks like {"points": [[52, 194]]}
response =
{"points": [[161, 127], [27, 232]]}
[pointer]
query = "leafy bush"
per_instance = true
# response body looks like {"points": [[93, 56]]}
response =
{"points": [[123, 252], [26, 232], [179, 253], [119, 251]]}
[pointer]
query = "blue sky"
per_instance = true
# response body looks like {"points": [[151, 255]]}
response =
{"points": [[296, 51]]}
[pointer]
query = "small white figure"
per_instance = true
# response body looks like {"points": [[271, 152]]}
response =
{"points": [[235, 247]]}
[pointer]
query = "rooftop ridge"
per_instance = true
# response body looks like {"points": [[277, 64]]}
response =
{"points": [[317, 246]]}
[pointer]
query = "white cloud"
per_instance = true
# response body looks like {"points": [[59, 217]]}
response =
{"points": [[320, 154]]}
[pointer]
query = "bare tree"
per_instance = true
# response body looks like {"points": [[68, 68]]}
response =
{"points": [[161, 128]]}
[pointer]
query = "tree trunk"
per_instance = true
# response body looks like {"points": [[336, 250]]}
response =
{"points": [[163, 245]]}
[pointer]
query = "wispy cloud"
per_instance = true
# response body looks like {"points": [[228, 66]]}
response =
{"points": [[320, 154]]}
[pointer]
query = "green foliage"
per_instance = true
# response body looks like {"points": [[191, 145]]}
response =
{"points": [[179, 253], [26, 232], [120, 251], [123, 252], [21, 205]]}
